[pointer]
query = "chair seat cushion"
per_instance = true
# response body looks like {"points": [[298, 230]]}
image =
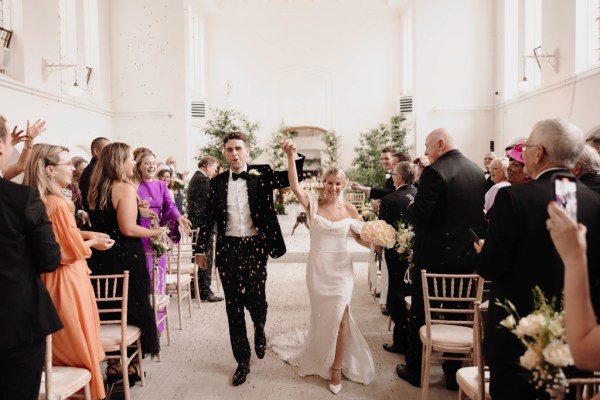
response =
{"points": [[187, 268], [467, 380], [171, 279], [448, 335], [162, 300], [110, 335], [65, 382]]}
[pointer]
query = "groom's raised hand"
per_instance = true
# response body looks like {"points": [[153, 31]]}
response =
{"points": [[201, 261]]}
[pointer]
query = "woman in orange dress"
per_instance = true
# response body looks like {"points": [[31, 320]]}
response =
{"points": [[78, 344]]}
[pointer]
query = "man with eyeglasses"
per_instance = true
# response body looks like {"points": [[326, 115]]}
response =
{"points": [[518, 253]]}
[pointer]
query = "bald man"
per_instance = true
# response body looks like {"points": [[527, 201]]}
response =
{"points": [[449, 202]]}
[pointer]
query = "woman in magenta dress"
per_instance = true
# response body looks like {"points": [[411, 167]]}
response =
{"points": [[155, 195]]}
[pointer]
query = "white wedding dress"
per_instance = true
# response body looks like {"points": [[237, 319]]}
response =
{"points": [[330, 281]]}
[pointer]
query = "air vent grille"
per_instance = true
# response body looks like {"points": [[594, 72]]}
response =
{"points": [[198, 109], [405, 104]]}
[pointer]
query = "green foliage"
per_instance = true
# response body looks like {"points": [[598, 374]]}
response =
{"points": [[278, 158], [222, 122], [332, 141], [366, 169]]}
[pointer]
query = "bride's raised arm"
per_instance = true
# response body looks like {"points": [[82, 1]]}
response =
{"points": [[289, 148]]}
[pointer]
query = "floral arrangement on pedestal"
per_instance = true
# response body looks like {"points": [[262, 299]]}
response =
{"points": [[543, 334]]}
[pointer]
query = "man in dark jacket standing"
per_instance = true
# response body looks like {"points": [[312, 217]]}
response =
{"points": [[449, 202]]}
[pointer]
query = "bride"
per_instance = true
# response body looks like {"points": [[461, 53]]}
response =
{"points": [[333, 345]]}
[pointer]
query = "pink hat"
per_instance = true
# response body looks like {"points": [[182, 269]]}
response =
{"points": [[516, 153]]}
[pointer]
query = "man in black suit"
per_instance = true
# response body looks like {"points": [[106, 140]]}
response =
{"points": [[449, 202], [241, 204], [388, 160], [587, 168], [518, 253], [28, 249], [84, 181], [197, 198], [393, 211]]}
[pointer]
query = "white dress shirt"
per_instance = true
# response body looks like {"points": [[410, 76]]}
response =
{"points": [[238, 208]]}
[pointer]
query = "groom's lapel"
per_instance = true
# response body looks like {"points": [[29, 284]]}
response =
{"points": [[252, 184], [222, 193]]}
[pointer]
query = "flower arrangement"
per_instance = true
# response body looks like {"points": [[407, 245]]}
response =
{"points": [[254, 172], [405, 238], [543, 334], [379, 233], [177, 184], [162, 243]]}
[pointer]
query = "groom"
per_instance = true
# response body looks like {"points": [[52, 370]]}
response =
{"points": [[241, 204]]}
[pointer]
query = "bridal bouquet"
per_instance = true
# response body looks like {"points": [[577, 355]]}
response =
{"points": [[543, 334], [379, 233], [405, 237], [162, 243], [177, 184]]}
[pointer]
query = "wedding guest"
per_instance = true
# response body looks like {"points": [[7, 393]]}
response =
{"points": [[333, 345], [241, 205], [515, 171], [388, 160], [594, 141], [28, 249], [197, 198], [77, 345], [84, 180], [499, 177], [114, 210], [172, 163], [487, 159], [79, 163], [393, 211], [16, 136], [448, 203], [164, 174], [583, 332], [518, 254], [587, 168], [156, 196]]}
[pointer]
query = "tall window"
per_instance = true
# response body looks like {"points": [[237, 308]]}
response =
{"points": [[5, 14], [407, 50], [92, 39], [197, 54], [532, 39], [587, 44], [512, 61]]}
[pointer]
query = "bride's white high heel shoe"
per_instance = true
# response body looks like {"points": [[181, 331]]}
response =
{"points": [[335, 389]]}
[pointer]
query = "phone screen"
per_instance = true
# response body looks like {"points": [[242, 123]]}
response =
{"points": [[565, 191]]}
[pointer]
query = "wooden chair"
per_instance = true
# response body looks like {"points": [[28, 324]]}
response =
{"points": [[357, 199], [178, 282], [159, 301], [585, 388], [449, 319], [116, 336], [60, 383], [5, 37], [473, 381], [186, 259]]}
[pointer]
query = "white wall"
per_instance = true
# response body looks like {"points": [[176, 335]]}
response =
{"points": [[335, 70]]}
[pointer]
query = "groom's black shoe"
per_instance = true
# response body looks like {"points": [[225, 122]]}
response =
{"points": [[240, 374], [260, 342]]}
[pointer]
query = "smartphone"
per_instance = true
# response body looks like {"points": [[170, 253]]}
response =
{"points": [[473, 235], [565, 193]]}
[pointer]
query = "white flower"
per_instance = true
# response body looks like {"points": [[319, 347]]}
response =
{"points": [[254, 172], [379, 232], [556, 326], [558, 354], [531, 325], [509, 322], [388, 175], [530, 359]]}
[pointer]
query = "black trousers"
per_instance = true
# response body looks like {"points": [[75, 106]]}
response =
{"points": [[243, 270], [397, 290], [21, 371], [206, 274]]}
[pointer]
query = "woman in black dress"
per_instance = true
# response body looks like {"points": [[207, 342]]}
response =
{"points": [[114, 210]]}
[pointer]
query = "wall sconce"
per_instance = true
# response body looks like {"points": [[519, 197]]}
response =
{"points": [[47, 69], [551, 59]]}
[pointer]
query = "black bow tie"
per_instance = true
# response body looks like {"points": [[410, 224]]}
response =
{"points": [[243, 175]]}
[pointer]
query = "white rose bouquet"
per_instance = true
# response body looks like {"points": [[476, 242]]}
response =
{"points": [[379, 233], [405, 237], [543, 334]]}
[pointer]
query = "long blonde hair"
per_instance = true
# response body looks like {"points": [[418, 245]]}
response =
{"points": [[108, 169], [43, 155]]}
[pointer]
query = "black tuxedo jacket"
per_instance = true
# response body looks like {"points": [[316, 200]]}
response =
{"points": [[518, 254], [260, 199], [591, 180], [28, 249], [84, 182], [393, 210], [197, 197], [449, 202], [380, 193]]}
